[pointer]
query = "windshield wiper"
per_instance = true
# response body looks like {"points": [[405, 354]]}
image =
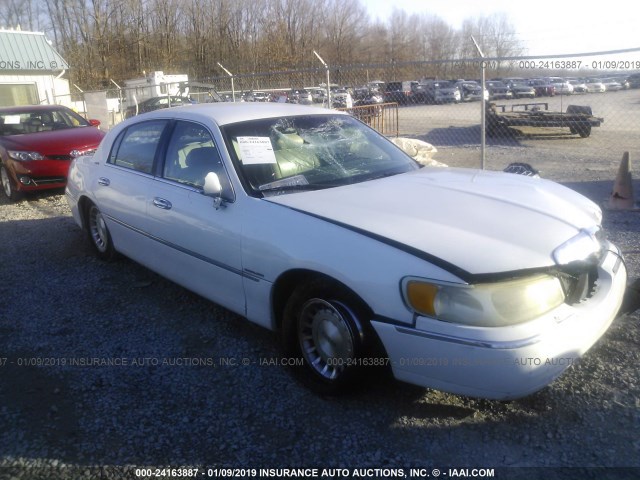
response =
{"points": [[380, 175], [293, 188]]}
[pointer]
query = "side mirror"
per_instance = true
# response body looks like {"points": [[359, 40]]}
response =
{"points": [[212, 188], [94, 122]]}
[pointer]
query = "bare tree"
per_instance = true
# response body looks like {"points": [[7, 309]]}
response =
{"points": [[439, 42], [495, 35], [165, 28], [19, 13], [119, 39], [345, 20]]}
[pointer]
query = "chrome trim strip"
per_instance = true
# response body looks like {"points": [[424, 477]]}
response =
{"points": [[129, 170], [246, 274], [473, 342], [175, 183]]}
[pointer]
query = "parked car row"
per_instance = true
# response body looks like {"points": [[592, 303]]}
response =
{"points": [[460, 90], [429, 91]]}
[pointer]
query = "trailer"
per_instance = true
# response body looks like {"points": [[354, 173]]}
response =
{"points": [[536, 119], [155, 84]]}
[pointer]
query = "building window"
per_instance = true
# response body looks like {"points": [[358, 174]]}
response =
{"points": [[18, 94]]}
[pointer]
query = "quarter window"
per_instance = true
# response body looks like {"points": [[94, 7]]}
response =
{"points": [[138, 145]]}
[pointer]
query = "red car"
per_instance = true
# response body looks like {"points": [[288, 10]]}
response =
{"points": [[543, 88], [37, 144]]}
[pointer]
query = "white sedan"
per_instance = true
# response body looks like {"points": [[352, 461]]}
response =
{"points": [[611, 85], [310, 223], [563, 88], [595, 85]]}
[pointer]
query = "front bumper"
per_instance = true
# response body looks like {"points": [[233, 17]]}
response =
{"points": [[504, 362], [447, 99], [40, 174]]}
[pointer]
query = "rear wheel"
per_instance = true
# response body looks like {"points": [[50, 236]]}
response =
{"points": [[7, 187], [325, 327], [583, 130], [98, 233]]}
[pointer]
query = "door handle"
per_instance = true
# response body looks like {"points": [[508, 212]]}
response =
{"points": [[104, 181], [162, 203]]}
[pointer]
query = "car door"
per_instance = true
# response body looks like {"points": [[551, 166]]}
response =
{"points": [[199, 246], [122, 186]]}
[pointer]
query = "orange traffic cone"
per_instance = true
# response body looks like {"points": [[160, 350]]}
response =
{"points": [[622, 195]]}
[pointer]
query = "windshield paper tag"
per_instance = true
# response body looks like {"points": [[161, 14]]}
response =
{"points": [[12, 120], [256, 150]]}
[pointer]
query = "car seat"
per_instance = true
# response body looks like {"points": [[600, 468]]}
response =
{"points": [[293, 155], [202, 160]]}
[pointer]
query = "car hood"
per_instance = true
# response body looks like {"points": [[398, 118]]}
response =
{"points": [[476, 221], [55, 142]]}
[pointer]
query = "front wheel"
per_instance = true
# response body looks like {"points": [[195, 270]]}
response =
{"points": [[7, 187], [98, 233], [326, 328]]}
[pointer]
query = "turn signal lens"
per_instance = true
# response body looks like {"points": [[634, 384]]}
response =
{"points": [[421, 296]]}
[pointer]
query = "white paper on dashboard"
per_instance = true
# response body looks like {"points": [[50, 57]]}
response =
{"points": [[256, 150]]}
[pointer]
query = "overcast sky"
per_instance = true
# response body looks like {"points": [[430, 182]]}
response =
{"points": [[544, 26]]}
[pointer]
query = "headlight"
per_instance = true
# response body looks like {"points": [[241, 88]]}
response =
{"points": [[25, 156], [487, 304]]}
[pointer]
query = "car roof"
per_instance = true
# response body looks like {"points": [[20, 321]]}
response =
{"points": [[224, 113]]}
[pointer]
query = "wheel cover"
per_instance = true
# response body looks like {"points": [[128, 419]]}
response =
{"points": [[98, 230], [6, 183], [325, 337]]}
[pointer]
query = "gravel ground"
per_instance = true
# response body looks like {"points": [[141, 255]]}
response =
{"points": [[199, 387]]}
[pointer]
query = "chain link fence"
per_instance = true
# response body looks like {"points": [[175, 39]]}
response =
{"points": [[581, 111]]}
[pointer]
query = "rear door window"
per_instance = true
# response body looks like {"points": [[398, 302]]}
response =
{"points": [[137, 146]]}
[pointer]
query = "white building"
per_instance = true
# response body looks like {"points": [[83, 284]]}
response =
{"points": [[31, 70]]}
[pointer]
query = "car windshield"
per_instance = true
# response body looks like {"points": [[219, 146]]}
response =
{"points": [[21, 121], [280, 155]]}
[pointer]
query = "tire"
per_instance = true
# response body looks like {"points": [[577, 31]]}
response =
{"points": [[7, 186], [583, 130], [325, 328], [98, 233]]}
